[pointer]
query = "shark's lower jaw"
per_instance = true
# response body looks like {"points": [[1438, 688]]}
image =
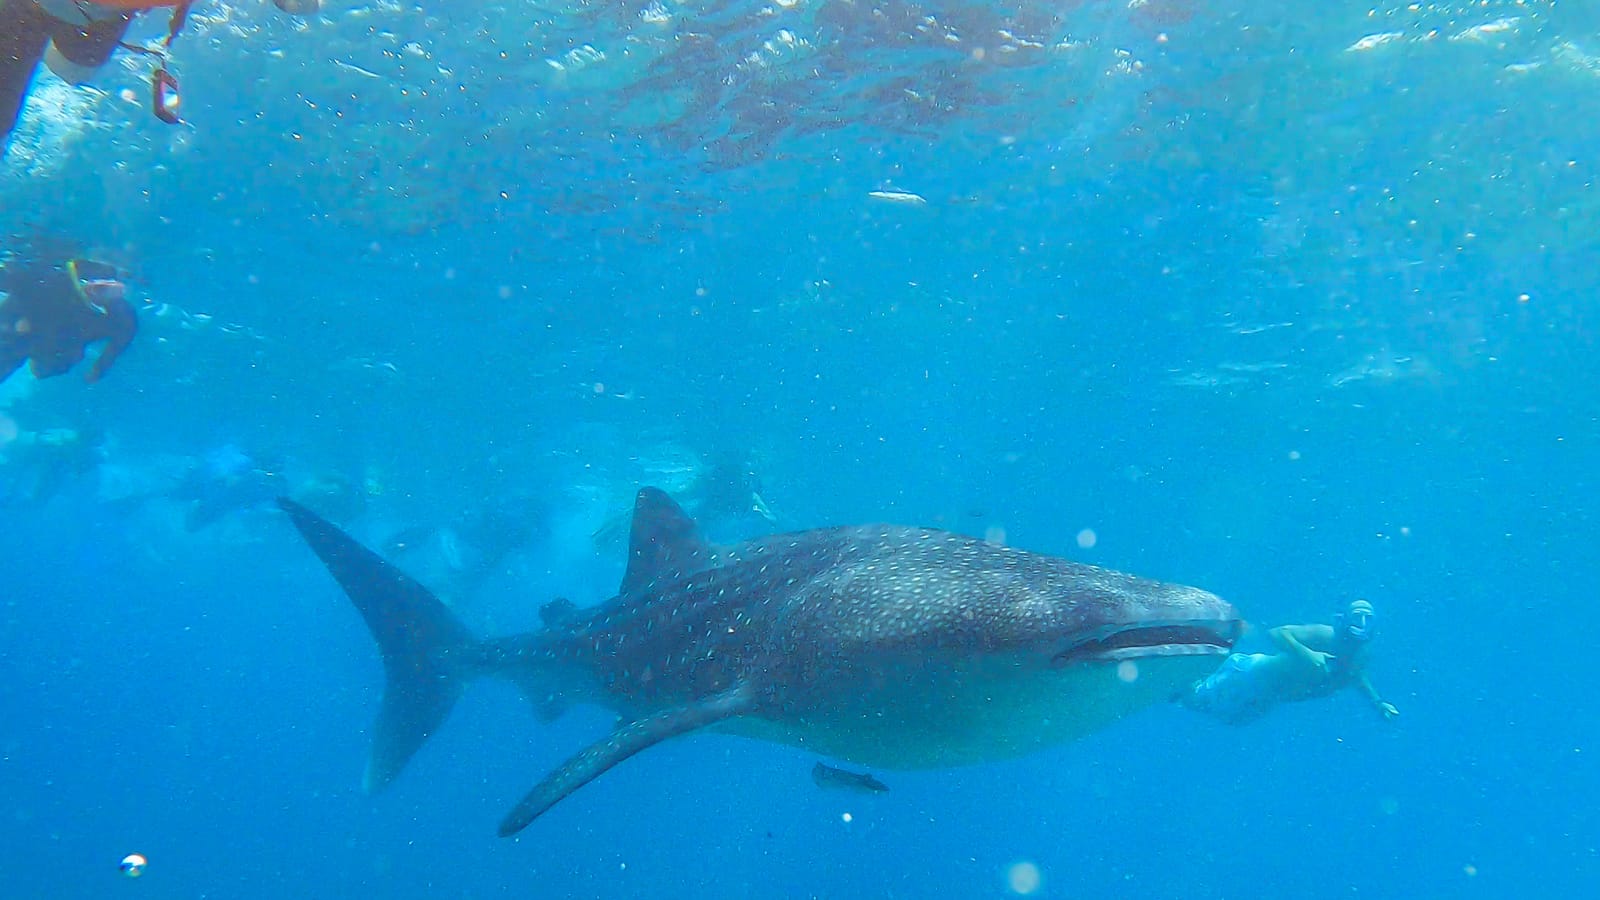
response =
{"points": [[1164, 639], [1147, 652]]}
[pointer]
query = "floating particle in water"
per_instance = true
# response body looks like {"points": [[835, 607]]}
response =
{"points": [[1087, 539]]}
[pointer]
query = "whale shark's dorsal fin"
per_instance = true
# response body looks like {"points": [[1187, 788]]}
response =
{"points": [[628, 739], [664, 540]]}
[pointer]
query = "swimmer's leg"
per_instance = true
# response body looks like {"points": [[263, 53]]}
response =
{"points": [[1228, 692], [77, 51]]}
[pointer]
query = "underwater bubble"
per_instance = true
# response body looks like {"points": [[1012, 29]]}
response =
{"points": [[1023, 878], [133, 865]]}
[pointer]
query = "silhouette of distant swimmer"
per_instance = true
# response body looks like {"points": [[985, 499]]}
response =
{"points": [[52, 314], [36, 465]]}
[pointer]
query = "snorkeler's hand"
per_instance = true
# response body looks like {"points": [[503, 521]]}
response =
{"points": [[1389, 710], [1319, 660]]}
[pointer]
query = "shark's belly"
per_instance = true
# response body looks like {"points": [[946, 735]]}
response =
{"points": [[991, 709]]}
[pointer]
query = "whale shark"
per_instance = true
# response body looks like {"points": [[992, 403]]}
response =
{"points": [[884, 646]]}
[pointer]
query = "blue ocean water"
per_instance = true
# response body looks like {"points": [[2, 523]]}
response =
{"points": [[1292, 304]]}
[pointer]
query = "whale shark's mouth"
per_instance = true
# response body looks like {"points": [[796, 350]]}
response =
{"points": [[1208, 638]]}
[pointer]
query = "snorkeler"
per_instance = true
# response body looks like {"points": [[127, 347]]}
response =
{"points": [[725, 499], [52, 314], [227, 481], [461, 555], [730, 490], [37, 465], [75, 37], [1307, 661]]}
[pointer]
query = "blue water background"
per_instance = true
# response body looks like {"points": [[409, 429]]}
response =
{"points": [[1101, 325]]}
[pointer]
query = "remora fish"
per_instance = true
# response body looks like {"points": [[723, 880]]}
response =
{"points": [[885, 646], [827, 776]]}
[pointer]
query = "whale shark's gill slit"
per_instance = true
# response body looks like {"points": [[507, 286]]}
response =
{"points": [[1216, 637]]}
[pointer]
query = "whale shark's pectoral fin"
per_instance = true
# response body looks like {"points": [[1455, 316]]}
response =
{"points": [[628, 739]]}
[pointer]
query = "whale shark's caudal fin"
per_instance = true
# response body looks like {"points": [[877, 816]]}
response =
{"points": [[427, 653]]}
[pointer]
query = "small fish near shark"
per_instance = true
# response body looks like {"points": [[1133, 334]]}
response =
{"points": [[882, 646], [826, 776]]}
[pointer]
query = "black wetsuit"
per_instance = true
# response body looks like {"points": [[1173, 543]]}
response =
{"points": [[48, 323], [26, 30]]}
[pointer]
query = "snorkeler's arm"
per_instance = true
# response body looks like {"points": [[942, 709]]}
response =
{"points": [[1384, 707], [1294, 638], [124, 326]]}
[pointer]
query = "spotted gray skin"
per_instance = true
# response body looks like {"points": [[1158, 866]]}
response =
{"points": [[882, 645]]}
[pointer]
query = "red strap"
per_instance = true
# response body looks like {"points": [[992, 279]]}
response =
{"points": [[180, 15]]}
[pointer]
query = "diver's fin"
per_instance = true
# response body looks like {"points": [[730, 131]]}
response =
{"points": [[627, 740], [664, 539], [427, 652]]}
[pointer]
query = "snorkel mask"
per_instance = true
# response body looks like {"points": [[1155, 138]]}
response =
{"points": [[1356, 623], [95, 284]]}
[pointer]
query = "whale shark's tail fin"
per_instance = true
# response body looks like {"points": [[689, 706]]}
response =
{"points": [[427, 653]]}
